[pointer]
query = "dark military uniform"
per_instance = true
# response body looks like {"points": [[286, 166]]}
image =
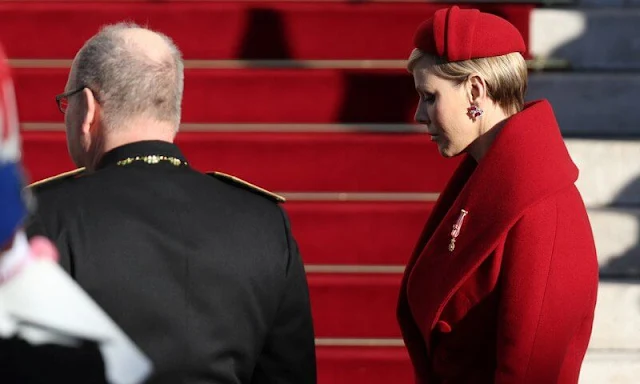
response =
{"points": [[201, 272]]}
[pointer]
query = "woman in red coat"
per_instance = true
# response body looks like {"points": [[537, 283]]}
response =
{"points": [[502, 285]]}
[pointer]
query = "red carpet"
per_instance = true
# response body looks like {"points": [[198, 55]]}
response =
{"points": [[357, 233], [354, 305], [354, 313], [289, 162], [364, 365], [257, 95], [223, 30]]}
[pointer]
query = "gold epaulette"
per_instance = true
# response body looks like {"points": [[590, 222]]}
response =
{"points": [[247, 185], [62, 176]]}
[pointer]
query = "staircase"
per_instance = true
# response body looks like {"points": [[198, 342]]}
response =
{"points": [[311, 100], [598, 42]]}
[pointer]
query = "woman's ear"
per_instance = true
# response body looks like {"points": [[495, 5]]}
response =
{"points": [[476, 88]]}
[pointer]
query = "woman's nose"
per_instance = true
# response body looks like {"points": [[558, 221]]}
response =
{"points": [[422, 116]]}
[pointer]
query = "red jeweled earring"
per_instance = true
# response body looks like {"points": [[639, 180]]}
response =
{"points": [[475, 111]]}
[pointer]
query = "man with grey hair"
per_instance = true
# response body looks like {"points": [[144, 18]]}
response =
{"points": [[200, 270]]}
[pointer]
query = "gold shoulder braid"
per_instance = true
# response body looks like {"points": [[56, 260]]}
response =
{"points": [[153, 159], [60, 177], [244, 184]]}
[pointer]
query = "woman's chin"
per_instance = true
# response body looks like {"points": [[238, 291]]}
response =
{"points": [[446, 151]]}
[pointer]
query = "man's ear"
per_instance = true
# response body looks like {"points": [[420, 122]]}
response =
{"points": [[91, 110]]}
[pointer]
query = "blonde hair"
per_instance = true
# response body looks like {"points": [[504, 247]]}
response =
{"points": [[505, 76]]}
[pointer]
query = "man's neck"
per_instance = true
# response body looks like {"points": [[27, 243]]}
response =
{"points": [[138, 132]]}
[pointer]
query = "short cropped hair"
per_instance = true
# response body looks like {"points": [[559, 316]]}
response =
{"points": [[506, 76], [129, 84]]}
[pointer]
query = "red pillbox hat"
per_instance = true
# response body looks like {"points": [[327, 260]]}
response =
{"points": [[462, 34]]}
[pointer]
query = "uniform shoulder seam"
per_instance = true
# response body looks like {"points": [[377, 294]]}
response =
{"points": [[59, 177], [247, 185]]}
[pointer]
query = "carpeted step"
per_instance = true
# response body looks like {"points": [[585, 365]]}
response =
{"points": [[364, 306], [386, 365], [360, 365], [359, 232], [354, 305], [349, 96], [226, 30], [340, 162], [376, 232], [255, 95]]}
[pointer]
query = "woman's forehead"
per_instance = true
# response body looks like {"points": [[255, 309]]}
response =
{"points": [[424, 76]]}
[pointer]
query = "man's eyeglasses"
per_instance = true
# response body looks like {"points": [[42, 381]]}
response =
{"points": [[63, 99]]}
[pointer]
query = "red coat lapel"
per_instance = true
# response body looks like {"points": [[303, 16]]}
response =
{"points": [[444, 202], [508, 180], [412, 335]]}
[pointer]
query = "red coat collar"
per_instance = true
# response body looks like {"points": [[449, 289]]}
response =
{"points": [[527, 162]]}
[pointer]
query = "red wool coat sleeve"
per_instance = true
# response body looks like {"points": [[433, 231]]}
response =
{"points": [[548, 275]]}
